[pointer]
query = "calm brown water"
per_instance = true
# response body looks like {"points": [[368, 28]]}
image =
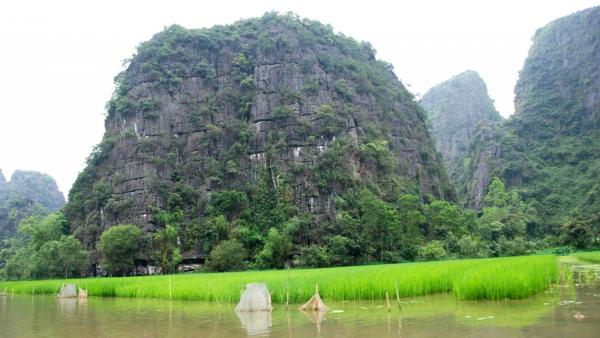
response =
{"points": [[548, 315]]}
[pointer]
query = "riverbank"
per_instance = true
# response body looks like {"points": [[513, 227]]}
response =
{"points": [[490, 278]]}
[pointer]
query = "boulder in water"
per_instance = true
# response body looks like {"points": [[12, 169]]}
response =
{"points": [[256, 297]]}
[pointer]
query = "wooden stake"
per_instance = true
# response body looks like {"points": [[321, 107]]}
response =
{"points": [[398, 297], [287, 289], [387, 301], [170, 289], [287, 294]]}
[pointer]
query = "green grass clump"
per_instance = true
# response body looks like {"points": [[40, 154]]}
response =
{"points": [[493, 278], [508, 279], [592, 257]]}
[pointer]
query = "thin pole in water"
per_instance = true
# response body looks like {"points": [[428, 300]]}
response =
{"points": [[387, 301], [170, 289], [287, 289], [398, 297]]}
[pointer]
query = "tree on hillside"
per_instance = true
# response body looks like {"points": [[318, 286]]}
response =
{"points": [[40, 230], [275, 252], [118, 247], [228, 255], [503, 214], [381, 226], [167, 252], [444, 219], [64, 257]]}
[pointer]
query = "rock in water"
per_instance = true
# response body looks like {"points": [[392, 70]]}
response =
{"points": [[256, 297], [67, 291]]}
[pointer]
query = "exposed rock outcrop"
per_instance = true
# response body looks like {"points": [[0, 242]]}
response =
{"points": [[455, 109]]}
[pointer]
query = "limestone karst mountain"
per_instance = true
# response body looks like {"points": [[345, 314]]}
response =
{"points": [[268, 118]]}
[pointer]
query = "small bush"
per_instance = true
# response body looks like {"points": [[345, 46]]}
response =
{"points": [[472, 247], [314, 256], [229, 255], [342, 88], [432, 251]]}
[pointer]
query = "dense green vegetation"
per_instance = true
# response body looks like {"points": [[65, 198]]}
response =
{"points": [[371, 230], [498, 278], [43, 249]]}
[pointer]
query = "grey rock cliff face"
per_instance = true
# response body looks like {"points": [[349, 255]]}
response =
{"points": [[487, 151], [456, 108], [219, 113]]}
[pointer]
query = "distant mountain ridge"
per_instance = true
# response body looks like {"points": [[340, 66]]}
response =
{"points": [[27, 193]]}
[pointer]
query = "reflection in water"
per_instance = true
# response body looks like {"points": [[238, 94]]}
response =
{"points": [[316, 317], [68, 306], [256, 322]]}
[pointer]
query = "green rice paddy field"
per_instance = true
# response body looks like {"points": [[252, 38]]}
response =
{"points": [[592, 257], [491, 278]]}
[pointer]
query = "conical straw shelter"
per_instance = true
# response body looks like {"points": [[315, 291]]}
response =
{"points": [[315, 303]]}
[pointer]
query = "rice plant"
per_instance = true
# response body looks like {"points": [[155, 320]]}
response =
{"points": [[492, 278], [592, 257]]}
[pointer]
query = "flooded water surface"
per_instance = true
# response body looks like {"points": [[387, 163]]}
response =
{"points": [[562, 313]]}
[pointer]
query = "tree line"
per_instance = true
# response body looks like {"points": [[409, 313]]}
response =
{"points": [[366, 230]]}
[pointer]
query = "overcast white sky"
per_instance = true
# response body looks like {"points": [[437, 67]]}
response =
{"points": [[58, 58]]}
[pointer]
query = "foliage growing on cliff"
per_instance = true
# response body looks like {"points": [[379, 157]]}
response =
{"points": [[549, 150]]}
